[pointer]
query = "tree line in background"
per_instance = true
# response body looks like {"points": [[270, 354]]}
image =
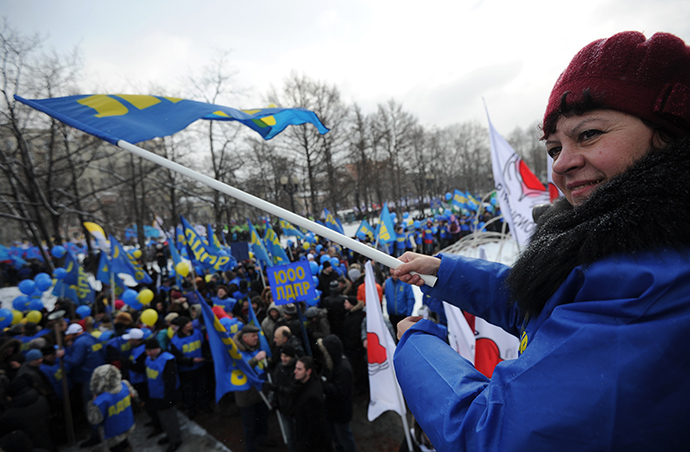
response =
{"points": [[54, 178]]}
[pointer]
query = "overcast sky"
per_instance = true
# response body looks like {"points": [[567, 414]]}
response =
{"points": [[437, 58]]}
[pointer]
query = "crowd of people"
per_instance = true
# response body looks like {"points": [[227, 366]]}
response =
{"points": [[116, 362]]}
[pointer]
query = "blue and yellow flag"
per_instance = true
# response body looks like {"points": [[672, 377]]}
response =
{"points": [[175, 255], [136, 118], [331, 222], [105, 274], [258, 246], [252, 320], [213, 242], [459, 199], [218, 261], [75, 285], [289, 229], [385, 231], [273, 247], [365, 230], [123, 262], [232, 372]]}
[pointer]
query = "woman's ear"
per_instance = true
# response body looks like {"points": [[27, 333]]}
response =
{"points": [[660, 139]]}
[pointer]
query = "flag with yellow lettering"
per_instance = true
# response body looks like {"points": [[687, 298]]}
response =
{"points": [[365, 230], [123, 262], [331, 222], [75, 285], [258, 246], [274, 248], [385, 232], [136, 118], [106, 275], [202, 253], [253, 320], [232, 372], [289, 229]]}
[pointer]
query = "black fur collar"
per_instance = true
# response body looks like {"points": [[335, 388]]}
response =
{"points": [[644, 208]]}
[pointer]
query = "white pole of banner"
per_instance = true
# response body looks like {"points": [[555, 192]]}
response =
{"points": [[341, 239]]}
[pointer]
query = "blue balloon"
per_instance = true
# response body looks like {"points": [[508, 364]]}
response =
{"points": [[5, 318], [43, 281], [319, 247], [60, 273], [106, 336], [406, 215], [147, 333], [335, 262], [84, 311], [58, 251], [315, 279], [21, 303], [324, 258], [35, 305], [417, 225], [130, 297], [27, 287], [314, 267], [448, 196]]}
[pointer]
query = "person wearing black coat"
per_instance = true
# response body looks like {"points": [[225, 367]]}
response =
{"points": [[27, 411], [310, 422], [337, 387]]}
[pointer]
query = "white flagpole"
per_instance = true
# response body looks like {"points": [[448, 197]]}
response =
{"points": [[341, 239]]}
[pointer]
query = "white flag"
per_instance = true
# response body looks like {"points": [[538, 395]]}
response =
{"points": [[383, 385], [518, 190], [460, 335]]}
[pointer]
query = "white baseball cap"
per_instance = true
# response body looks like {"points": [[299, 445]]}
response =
{"points": [[74, 328], [134, 333]]}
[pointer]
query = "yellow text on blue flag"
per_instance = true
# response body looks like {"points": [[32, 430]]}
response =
{"points": [[291, 283]]}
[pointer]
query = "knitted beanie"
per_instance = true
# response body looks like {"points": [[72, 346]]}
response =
{"points": [[649, 79]]}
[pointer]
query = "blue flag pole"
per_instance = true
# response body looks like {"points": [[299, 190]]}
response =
{"points": [[323, 231]]}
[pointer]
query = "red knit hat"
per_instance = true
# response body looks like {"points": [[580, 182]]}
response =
{"points": [[649, 79]]}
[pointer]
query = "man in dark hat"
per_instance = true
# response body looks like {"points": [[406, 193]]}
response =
{"points": [[191, 351], [252, 406], [161, 374]]}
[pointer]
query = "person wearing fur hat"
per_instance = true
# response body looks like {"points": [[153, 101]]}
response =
{"points": [[252, 407], [600, 298], [111, 407]]}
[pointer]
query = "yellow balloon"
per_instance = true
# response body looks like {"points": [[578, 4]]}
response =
{"points": [[34, 316], [17, 316], [145, 296], [171, 332], [137, 253], [149, 317], [306, 245], [182, 269], [208, 278]]}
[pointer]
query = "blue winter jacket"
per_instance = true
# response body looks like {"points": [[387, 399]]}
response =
{"points": [[604, 366], [399, 297], [85, 354]]}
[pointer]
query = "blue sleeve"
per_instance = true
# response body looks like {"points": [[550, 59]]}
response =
{"points": [[409, 299], [77, 354], [478, 287], [439, 385]]}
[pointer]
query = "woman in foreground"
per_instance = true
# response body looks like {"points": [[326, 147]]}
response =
{"points": [[600, 299]]}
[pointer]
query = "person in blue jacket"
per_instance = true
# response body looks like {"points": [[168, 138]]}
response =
{"points": [[163, 382], [399, 299], [82, 357], [600, 298], [111, 407], [191, 351]]}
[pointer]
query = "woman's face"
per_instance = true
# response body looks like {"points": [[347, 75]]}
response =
{"points": [[591, 149]]}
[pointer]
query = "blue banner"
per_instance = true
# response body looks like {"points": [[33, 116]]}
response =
{"points": [[291, 283]]}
